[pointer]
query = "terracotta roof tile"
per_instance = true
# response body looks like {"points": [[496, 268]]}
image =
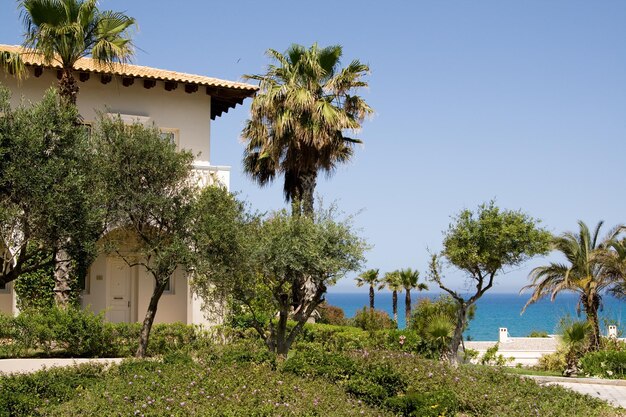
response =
{"points": [[224, 94], [128, 70]]}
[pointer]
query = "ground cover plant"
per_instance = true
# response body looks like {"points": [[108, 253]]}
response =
{"points": [[245, 379]]}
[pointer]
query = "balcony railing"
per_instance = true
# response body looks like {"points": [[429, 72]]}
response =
{"points": [[205, 174]]}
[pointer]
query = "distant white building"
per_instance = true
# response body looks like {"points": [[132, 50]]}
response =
{"points": [[182, 106], [519, 350]]}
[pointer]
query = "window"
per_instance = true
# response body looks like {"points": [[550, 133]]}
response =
{"points": [[4, 287], [83, 282], [169, 287], [170, 135]]}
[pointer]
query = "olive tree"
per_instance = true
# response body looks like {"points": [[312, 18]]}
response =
{"points": [[50, 200], [162, 220], [482, 244], [278, 250]]}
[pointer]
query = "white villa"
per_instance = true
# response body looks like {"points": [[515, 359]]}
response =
{"points": [[182, 106]]}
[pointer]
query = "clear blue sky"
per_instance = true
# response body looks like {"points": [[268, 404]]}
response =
{"points": [[524, 102]]}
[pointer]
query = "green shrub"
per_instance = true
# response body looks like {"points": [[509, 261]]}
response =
{"points": [[248, 351], [317, 363], [336, 338], [81, 333], [491, 357], [366, 390], [23, 394], [372, 320], [604, 363], [429, 404], [384, 375], [538, 333], [553, 362]]}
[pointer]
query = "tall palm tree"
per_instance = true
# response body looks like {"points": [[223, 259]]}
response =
{"points": [[584, 273], [393, 281], [409, 280], [299, 119], [63, 31], [371, 278]]}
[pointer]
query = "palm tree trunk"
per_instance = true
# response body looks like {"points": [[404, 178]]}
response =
{"points": [[407, 308], [68, 87], [61, 279], [394, 299], [148, 320], [308, 181], [591, 310], [371, 297]]}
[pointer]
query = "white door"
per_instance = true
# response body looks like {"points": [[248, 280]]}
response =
{"points": [[118, 305]]}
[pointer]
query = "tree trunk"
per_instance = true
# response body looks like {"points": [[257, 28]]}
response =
{"points": [[308, 181], [407, 308], [68, 87], [457, 337], [591, 310], [146, 327], [371, 297], [394, 299], [280, 343], [62, 289]]}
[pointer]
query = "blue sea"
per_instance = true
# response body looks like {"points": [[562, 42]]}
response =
{"points": [[494, 311]]}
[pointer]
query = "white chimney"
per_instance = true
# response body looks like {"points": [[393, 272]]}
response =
{"points": [[612, 332], [504, 335]]}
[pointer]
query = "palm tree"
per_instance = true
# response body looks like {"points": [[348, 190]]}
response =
{"points": [[393, 281], [371, 278], [573, 336], [298, 120], [63, 31], [584, 273], [409, 280]]}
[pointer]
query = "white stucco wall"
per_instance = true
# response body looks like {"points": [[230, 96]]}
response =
{"points": [[187, 113]]}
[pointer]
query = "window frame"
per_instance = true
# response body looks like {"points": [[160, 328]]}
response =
{"points": [[174, 132]]}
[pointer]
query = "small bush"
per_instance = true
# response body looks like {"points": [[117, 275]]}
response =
{"points": [[372, 320], [317, 363], [553, 362], [604, 363], [366, 390], [538, 333], [491, 357]]}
